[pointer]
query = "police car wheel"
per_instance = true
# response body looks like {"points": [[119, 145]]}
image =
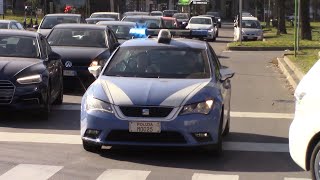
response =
{"points": [[90, 147], [315, 162]]}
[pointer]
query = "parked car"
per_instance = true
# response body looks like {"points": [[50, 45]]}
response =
{"points": [[51, 20], [201, 25], [96, 20], [217, 16], [120, 28], [304, 132], [182, 19], [141, 98], [251, 29], [10, 24], [113, 15], [169, 13], [31, 73], [82, 45], [156, 13]]}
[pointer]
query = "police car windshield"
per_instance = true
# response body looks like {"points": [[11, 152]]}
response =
{"points": [[77, 37], [50, 21], [159, 62]]}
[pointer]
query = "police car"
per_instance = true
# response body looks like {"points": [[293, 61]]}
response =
{"points": [[158, 92]]}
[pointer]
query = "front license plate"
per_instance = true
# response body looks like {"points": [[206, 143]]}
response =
{"points": [[145, 127], [69, 73]]}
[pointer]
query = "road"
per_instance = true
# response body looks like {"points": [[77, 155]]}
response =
{"points": [[256, 149]]}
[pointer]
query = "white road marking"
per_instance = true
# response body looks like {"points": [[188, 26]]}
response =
{"points": [[296, 178], [114, 174], [256, 147], [200, 176], [40, 138], [76, 140], [261, 115], [227, 51], [31, 171]]}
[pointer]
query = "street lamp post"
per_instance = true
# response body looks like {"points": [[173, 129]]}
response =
{"points": [[295, 27], [240, 21]]}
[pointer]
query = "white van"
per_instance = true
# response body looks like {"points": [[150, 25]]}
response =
{"points": [[251, 29]]}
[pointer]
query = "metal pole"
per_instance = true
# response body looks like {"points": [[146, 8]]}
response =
{"points": [[240, 21], [295, 27], [298, 25]]}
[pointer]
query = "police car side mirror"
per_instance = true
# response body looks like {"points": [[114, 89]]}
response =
{"points": [[226, 73], [95, 71]]}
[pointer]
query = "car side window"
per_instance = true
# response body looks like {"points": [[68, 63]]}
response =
{"points": [[13, 26], [215, 61]]}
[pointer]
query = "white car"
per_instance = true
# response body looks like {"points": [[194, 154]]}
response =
{"points": [[114, 15], [251, 29], [200, 23], [304, 134]]}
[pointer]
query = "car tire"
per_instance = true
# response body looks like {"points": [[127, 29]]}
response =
{"points": [[314, 162], [217, 35], [90, 147], [220, 25], [44, 112], [227, 129], [59, 99]]}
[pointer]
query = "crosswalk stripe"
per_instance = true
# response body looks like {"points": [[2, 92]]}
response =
{"points": [[200, 176], [261, 115], [111, 174], [31, 171], [286, 178], [40, 138], [235, 114]]}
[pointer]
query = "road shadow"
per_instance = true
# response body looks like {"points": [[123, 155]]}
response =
{"points": [[187, 158], [58, 120]]}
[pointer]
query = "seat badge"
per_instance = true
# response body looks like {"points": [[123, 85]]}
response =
{"points": [[145, 112]]}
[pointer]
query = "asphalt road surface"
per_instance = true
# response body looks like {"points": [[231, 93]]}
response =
{"points": [[256, 149]]}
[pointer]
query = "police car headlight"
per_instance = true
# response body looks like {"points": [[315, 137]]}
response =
{"points": [[98, 105], [198, 108], [30, 79], [219, 19]]}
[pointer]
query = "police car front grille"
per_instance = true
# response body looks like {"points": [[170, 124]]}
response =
{"points": [[146, 111], [6, 92], [163, 137]]}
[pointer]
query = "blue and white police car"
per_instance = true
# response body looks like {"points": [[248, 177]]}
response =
{"points": [[158, 92]]}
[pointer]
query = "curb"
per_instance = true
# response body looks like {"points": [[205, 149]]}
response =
{"points": [[244, 48], [290, 70]]}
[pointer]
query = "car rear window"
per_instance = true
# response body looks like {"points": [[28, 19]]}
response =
{"points": [[77, 37], [149, 23], [200, 21], [159, 62]]}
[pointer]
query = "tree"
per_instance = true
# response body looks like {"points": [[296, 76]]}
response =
{"points": [[281, 17], [305, 20]]}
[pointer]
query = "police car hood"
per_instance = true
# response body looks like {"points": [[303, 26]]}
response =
{"points": [[149, 91]]}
